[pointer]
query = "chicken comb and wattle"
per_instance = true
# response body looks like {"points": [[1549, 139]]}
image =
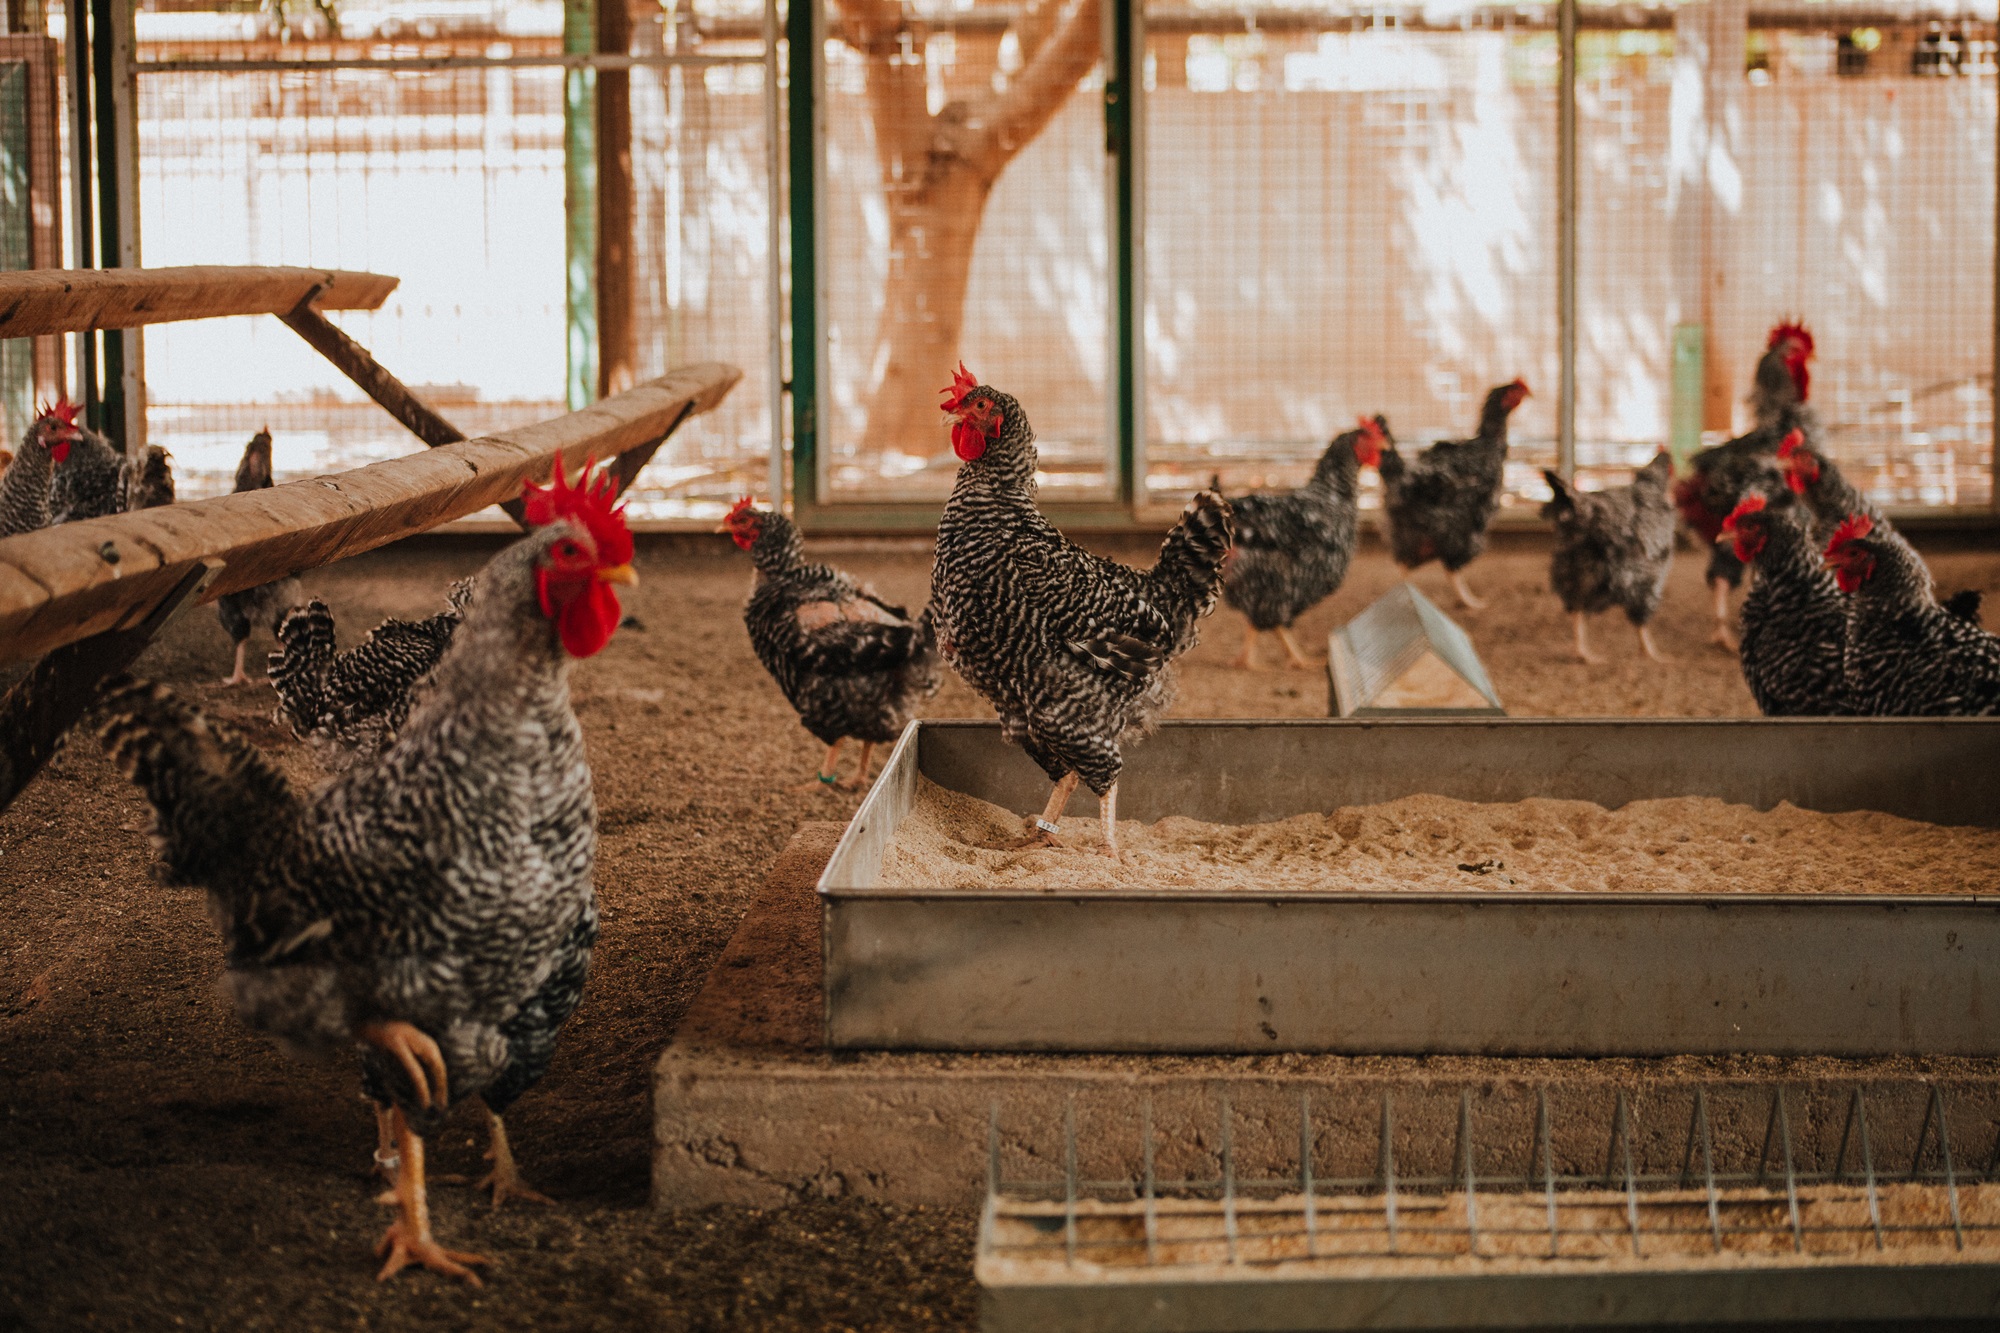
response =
{"points": [[973, 426], [1747, 541], [1801, 468], [742, 523], [1851, 568], [64, 411], [1798, 343], [1368, 449], [574, 588]]}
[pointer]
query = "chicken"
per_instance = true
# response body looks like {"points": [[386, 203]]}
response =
{"points": [[262, 606], [1613, 548], [1438, 507], [851, 664], [348, 706], [419, 908], [1075, 652], [1292, 549], [1720, 476], [1794, 618], [97, 480], [28, 480], [1906, 655]]}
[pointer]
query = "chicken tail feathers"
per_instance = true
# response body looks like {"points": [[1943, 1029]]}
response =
{"points": [[219, 806], [1189, 570], [1563, 502], [1125, 656], [1965, 604], [298, 668], [857, 647]]}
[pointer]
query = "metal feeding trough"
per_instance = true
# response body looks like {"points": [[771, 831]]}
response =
{"points": [[1720, 1205], [1402, 657], [1478, 972]]}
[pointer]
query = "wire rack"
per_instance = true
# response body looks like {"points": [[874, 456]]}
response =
{"points": [[1710, 1206]]}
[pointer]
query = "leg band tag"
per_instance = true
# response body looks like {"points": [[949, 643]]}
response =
{"points": [[1045, 826]]}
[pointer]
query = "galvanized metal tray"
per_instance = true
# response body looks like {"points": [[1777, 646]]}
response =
{"points": [[1428, 972]]}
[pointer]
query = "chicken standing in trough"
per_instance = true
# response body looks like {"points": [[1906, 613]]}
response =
{"points": [[421, 907], [1075, 651]]}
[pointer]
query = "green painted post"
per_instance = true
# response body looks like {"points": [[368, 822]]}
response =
{"points": [[580, 203], [802, 72], [1685, 429], [109, 417], [1121, 85]]}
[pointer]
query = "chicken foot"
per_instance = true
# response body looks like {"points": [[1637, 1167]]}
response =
{"points": [[1247, 659], [1298, 660], [1465, 597], [1045, 827], [239, 676], [504, 1179], [1724, 637], [414, 1049], [408, 1240], [1581, 624]]}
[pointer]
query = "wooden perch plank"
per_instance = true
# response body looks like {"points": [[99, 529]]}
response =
{"points": [[39, 301], [56, 585]]}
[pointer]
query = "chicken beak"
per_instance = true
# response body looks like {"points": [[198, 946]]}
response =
{"points": [[619, 574]]}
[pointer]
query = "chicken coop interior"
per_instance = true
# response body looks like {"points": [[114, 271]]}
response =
{"points": [[1002, 664]]}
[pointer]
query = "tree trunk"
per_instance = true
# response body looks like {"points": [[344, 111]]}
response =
{"points": [[937, 172]]}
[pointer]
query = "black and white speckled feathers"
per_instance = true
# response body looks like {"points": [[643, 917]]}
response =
{"points": [[348, 705], [1439, 504], [1908, 656], [446, 884], [851, 664], [1292, 549], [1073, 650], [261, 607], [90, 483], [28, 480], [1794, 618], [1613, 547]]}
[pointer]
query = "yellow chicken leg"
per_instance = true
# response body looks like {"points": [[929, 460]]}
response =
{"points": [[1724, 637], [860, 779], [1299, 661], [829, 767], [238, 676], [505, 1179], [1108, 816], [417, 1053], [1652, 649], [1581, 624], [1045, 827], [1465, 597], [1247, 659], [409, 1240]]}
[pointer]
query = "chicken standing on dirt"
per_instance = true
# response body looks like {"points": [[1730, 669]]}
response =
{"points": [[1794, 618], [1073, 650], [25, 485], [242, 613], [850, 664], [419, 906], [1438, 506], [1720, 476], [1292, 549], [1613, 548], [347, 706], [1906, 655]]}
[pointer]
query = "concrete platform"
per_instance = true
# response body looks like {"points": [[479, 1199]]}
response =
{"points": [[750, 1109]]}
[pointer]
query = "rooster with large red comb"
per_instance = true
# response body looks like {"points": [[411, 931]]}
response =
{"points": [[1720, 476], [1075, 651], [1907, 655], [1292, 549], [431, 909], [26, 484], [851, 665]]}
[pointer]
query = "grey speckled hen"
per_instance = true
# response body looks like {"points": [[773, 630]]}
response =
{"points": [[851, 664], [27, 482], [243, 613], [1907, 655], [1794, 619], [422, 906], [1439, 505], [1613, 548], [1073, 650]]}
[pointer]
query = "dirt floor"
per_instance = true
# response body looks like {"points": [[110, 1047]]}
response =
{"points": [[162, 1167]]}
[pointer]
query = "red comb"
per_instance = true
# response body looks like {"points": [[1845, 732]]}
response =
{"points": [[1521, 384], [588, 502], [62, 409], [1750, 504], [1851, 527], [1791, 444], [739, 509], [1370, 427], [963, 382], [1791, 330]]}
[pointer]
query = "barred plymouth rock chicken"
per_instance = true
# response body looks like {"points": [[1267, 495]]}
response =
{"points": [[347, 706], [1613, 548], [260, 607], [1438, 506], [851, 664], [1794, 618], [1907, 656], [29, 478], [96, 480], [1076, 652], [420, 908], [1720, 476], [1292, 549]]}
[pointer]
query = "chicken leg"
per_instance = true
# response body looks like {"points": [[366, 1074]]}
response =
{"points": [[408, 1240], [1465, 597], [1247, 659], [1044, 828], [829, 766], [859, 781], [239, 676], [1108, 816], [387, 1163], [504, 1179], [1580, 623], [1652, 649], [1298, 660], [1724, 637]]}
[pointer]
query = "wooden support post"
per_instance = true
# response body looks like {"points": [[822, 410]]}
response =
{"points": [[616, 343], [354, 361], [625, 468], [62, 686]]}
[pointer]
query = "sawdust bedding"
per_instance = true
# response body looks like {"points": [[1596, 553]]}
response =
{"points": [[1679, 845]]}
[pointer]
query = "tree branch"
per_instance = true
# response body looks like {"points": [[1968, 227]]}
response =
{"points": [[1007, 122]]}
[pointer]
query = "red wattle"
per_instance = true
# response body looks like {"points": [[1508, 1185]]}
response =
{"points": [[60, 451], [588, 623], [967, 440]]}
